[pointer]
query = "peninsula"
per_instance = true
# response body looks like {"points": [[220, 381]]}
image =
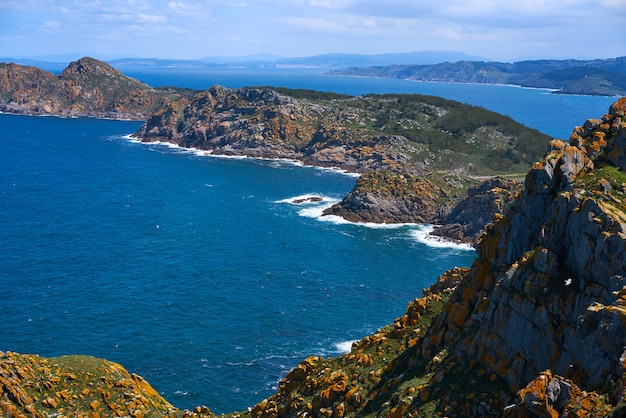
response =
{"points": [[420, 154]]}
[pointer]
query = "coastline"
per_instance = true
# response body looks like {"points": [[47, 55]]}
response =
{"points": [[210, 153], [420, 235]]}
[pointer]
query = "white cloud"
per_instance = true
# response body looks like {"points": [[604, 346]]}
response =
{"points": [[51, 24], [144, 18]]}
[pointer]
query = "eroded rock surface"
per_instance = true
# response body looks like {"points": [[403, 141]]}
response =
{"points": [[87, 87]]}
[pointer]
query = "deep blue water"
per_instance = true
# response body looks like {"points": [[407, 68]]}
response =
{"points": [[198, 273]]}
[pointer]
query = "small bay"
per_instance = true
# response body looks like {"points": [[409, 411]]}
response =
{"points": [[199, 273]]}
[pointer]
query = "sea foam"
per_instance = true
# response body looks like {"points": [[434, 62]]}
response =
{"points": [[344, 346], [423, 235]]}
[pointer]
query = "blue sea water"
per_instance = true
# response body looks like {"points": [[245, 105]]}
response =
{"points": [[200, 273]]}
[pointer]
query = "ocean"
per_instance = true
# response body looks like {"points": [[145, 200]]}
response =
{"points": [[200, 273]]}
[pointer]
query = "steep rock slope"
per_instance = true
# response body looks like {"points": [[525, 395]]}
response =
{"points": [[87, 87]]}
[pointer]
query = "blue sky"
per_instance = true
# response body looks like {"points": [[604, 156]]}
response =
{"points": [[496, 29]]}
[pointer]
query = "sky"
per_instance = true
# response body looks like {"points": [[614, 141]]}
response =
{"points": [[501, 30]]}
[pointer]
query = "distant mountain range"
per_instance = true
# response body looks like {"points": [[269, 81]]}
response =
{"points": [[325, 61], [605, 77]]}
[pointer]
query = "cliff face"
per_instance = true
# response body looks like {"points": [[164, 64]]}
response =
{"points": [[87, 87], [402, 197], [547, 284]]}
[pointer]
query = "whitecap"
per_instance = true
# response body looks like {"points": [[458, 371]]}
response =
{"points": [[344, 346], [309, 199], [275, 162], [317, 212], [423, 235]]}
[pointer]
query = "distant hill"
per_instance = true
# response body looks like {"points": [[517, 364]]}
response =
{"points": [[87, 87], [343, 60], [605, 77]]}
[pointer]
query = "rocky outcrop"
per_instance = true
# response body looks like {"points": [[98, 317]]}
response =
{"points": [[87, 87], [469, 217], [392, 132], [554, 396], [391, 197], [401, 197], [33, 386]]}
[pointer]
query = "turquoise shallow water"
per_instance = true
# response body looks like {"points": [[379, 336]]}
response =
{"points": [[198, 273]]}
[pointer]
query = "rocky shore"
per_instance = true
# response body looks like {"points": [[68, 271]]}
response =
{"points": [[402, 197]]}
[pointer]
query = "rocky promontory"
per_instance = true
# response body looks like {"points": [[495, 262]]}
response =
{"points": [[87, 87], [461, 207], [418, 153], [414, 133]]}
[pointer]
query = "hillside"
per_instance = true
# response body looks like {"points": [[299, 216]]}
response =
{"points": [[87, 87], [594, 77], [390, 132]]}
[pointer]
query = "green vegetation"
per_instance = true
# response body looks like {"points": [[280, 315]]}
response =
{"points": [[597, 77], [484, 140], [598, 179], [305, 93]]}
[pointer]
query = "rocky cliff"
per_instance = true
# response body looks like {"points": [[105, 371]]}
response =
{"points": [[390, 132], [87, 87], [460, 206]]}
